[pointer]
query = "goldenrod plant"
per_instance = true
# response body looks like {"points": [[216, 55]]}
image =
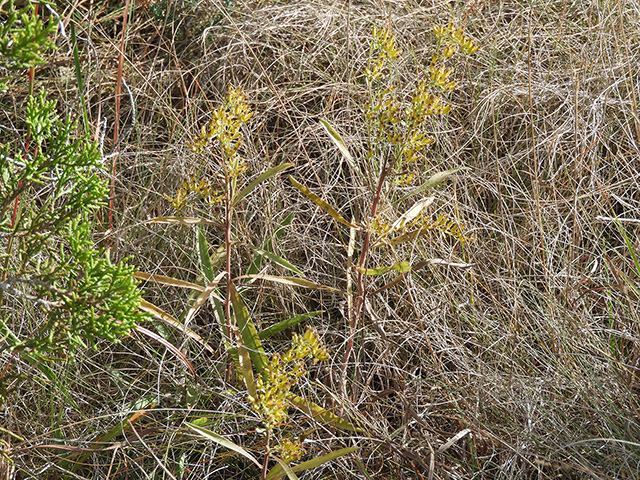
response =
{"points": [[268, 381], [398, 135]]}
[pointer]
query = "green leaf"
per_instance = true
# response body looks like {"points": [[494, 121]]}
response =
{"points": [[248, 331], [254, 183], [277, 472], [432, 182], [218, 308], [293, 281], [244, 359], [276, 259], [337, 140], [214, 437], [269, 243], [201, 421], [290, 322], [322, 204], [400, 267], [325, 416]]}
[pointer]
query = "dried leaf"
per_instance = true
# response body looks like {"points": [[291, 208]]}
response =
{"points": [[161, 279]]}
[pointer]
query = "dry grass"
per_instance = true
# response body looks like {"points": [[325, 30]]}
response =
{"points": [[534, 348]]}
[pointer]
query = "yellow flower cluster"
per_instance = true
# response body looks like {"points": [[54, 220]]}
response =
{"points": [[453, 39], [290, 451], [378, 225], [450, 40], [282, 373], [405, 179], [225, 124], [225, 127], [384, 49], [423, 224], [193, 190], [445, 225], [309, 345], [403, 127], [388, 234]]}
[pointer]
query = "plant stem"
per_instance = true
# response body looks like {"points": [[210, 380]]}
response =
{"points": [[265, 463], [354, 317]]}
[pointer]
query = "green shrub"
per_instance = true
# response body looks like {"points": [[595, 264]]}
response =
{"points": [[59, 290]]}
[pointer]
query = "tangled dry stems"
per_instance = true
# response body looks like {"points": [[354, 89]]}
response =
{"points": [[533, 348]]}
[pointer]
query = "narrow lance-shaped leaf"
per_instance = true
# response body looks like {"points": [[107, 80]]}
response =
{"points": [[287, 469], [163, 316], [277, 472], [337, 140], [254, 183], [277, 260], [269, 243], [170, 281], [405, 237], [248, 331], [322, 204], [293, 281], [214, 437], [203, 297], [323, 415], [400, 267], [412, 213], [290, 322], [244, 359], [432, 182], [172, 348], [140, 406]]}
